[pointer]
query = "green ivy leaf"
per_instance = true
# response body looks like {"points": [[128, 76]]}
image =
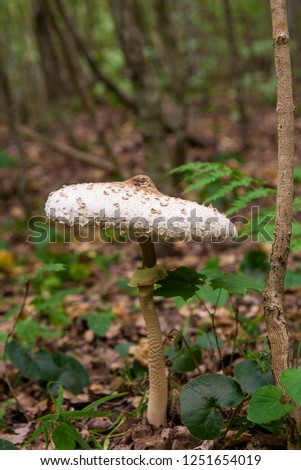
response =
{"points": [[63, 437], [217, 298], [182, 282], [73, 375], [22, 358], [182, 360], [47, 367], [29, 330], [265, 405], [123, 348], [99, 322], [208, 340], [51, 267], [7, 445], [250, 375], [43, 366], [236, 284], [255, 264], [292, 279], [201, 400], [291, 381]]}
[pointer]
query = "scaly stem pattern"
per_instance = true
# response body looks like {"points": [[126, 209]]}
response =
{"points": [[158, 385], [158, 388]]}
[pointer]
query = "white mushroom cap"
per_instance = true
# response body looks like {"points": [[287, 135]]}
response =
{"points": [[136, 205]]}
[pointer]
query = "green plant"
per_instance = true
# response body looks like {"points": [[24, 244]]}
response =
{"points": [[210, 404], [99, 322], [202, 401], [234, 191], [234, 186], [213, 404], [209, 285], [7, 445], [185, 355], [59, 427], [43, 366], [36, 362]]}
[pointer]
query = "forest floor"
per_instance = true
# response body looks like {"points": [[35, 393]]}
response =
{"points": [[100, 276]]}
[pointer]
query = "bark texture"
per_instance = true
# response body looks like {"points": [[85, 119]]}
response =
{"points": [[279, 337]]}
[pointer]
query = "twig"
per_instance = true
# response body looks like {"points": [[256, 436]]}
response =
{"points": [[212, 316], [235, 308], [229, 424], [187, 346], [66, 150]]}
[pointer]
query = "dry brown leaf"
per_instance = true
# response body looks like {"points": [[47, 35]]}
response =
{"points": [[140, 352], [20, 434]]}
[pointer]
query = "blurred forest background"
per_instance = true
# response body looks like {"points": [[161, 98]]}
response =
{"points": [[102, 90], [80, 77]]}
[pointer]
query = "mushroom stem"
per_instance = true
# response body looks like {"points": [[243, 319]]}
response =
{"points": [[158, 388], [149, 257]]}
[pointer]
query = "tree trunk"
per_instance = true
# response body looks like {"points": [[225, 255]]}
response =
{"points": [[11, 116], [176, 63], [278, 335], [147, 89], [94, 66], [57, 89], [49, 59], [236, 71], [79, 83]]}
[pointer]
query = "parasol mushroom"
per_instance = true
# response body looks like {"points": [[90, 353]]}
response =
{"points": [[137, 208]]}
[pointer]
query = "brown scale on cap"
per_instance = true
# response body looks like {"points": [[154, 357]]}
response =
{"points": [[143, 181]]}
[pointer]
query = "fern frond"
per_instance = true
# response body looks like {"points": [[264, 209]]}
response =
{"points": [[204, 176], [204, 181], [246, 198], [187, 167], [207, 174], [244, 181], [214, 167]]}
